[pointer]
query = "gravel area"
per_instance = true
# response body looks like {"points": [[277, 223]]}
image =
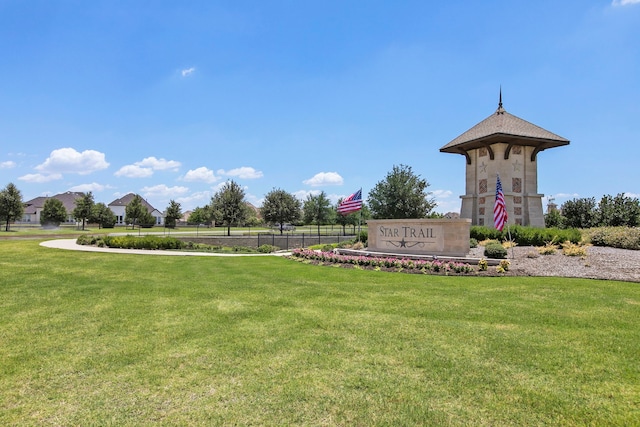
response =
{"points": [[600, 263]]}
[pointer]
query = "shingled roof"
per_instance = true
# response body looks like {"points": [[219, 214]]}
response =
{"points": [[125, 200], [504, 127]]}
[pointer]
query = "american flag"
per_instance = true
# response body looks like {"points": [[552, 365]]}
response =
{"points": [[499, 208], [352, 203]]}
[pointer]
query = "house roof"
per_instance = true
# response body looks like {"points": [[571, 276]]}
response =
{"points": [[125, 200], [68, 200], [504, 127]]}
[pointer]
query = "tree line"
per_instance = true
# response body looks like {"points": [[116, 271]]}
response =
{"points": [[401, 194], [618, 211]]}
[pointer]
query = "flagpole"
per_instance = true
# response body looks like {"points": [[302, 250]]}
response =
{"points": [[360, 215]]}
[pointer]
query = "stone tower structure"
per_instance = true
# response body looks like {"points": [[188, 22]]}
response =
{"points": [[508, 146]]}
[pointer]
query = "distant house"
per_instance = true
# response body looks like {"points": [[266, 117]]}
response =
{"points": [[118, 207], [33, 207]]}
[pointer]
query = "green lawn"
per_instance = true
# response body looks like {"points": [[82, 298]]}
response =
{"points": [[110, 339]]}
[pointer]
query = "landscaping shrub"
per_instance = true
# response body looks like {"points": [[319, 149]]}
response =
{"points": [[571, 249], [495, 251], [616, 237], [90, 240], [363, 237], [482, 233], [526, 236], [242, 249], [267, 249], [145, 242], [473, 243]]}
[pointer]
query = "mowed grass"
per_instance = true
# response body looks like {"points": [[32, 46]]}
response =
{"points": [[111, 339]]}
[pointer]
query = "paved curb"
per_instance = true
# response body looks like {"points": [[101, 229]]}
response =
{"points": [[71, 245]]}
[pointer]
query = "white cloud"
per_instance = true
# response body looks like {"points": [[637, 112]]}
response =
{"points": [[193, 200], [624, 2], [201, 174], [7, 165], [68, 160], [40, 178], [324, 178], [303, 194], [158, 164], [146, 167], [187, 71], [134, 171], [163, 191], [243, 172], [446, 201], [93, 187]]}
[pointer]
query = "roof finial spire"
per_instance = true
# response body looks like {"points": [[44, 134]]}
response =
{"points": [[500, 110]]}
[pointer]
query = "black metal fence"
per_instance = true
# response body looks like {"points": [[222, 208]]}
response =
{"points": [[284, 241]]}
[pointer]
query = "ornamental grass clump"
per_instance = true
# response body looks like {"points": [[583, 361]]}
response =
{"points": [[549, 248], [571, 249]]}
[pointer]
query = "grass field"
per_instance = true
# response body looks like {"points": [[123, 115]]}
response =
{"points": [[112, 339]]}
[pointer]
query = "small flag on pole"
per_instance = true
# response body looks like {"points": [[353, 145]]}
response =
{"points": [[499, 208], [353, 203]]}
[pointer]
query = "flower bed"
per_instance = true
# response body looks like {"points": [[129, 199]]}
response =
{"points": [[385, 263]]}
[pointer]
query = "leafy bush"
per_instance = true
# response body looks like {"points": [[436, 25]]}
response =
{"points": [[482, 233], [242, 249], [526, 236], [267, 249], [473, 243], [495, 251], [145, 242], [363, 236], [615, 237]]}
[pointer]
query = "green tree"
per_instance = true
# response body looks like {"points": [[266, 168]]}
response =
{"points": [[227, 205], [147, 220], [53, 212], [172, 214], [200, 216], [135, 212], [280, 207], [402, 194], [11, 206], [103, 216], [554, 219], [619, 211], [84, 208], [580, 213], [317, 209]]}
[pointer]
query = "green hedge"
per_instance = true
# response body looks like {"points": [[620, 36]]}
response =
{"points": [[144, 242], [615, 237], [527, 236]]}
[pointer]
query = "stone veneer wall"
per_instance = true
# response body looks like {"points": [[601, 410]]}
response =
{"points": [[519, 176]]}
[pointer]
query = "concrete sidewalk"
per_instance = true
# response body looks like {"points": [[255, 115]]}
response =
{"points": [[70, 244]]}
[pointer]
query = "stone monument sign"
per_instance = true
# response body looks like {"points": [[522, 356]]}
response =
{"points": [[444, 237]]}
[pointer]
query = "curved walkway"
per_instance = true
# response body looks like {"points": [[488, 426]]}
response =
{"points": [[70, 244]]}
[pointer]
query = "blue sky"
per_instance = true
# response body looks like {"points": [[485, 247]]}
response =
{"points": [[171, 99]]}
